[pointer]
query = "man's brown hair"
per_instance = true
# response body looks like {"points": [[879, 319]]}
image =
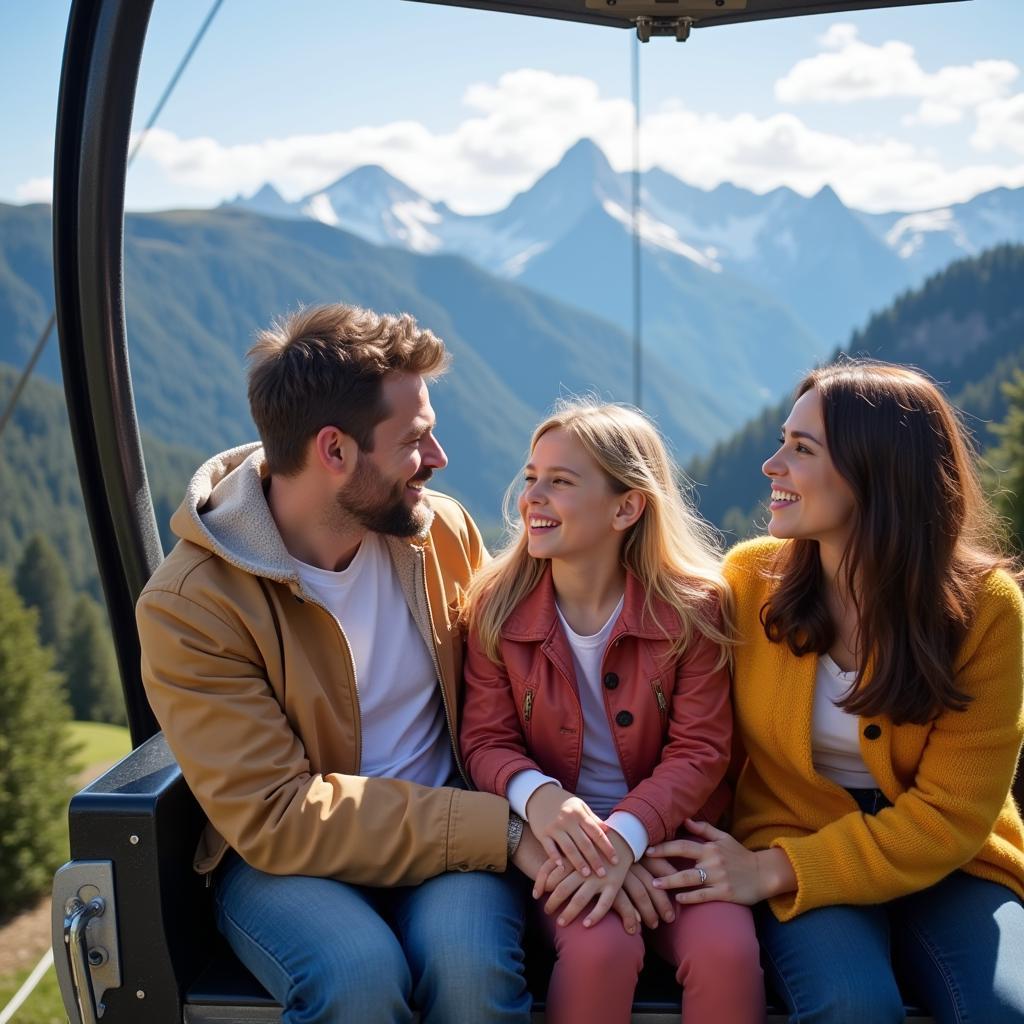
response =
{"points": [[323, 366]]}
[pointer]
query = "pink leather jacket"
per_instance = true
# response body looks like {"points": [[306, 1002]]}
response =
{"points": [[670, 718]]}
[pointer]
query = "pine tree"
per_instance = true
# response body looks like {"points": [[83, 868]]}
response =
{"points": [[90, 667], [42, 583], [35, 750], [1006, 461]]}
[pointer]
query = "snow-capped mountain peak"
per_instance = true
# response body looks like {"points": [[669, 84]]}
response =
{"points": [[378, 206]]}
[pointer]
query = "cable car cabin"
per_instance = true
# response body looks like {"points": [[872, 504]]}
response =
{"points": [[134, 937]]}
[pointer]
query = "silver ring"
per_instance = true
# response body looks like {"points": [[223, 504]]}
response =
{"points": [[703, 876]]}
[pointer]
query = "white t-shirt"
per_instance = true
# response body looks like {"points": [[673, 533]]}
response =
{"points": [[601, 782], [401, 714], [835, 734]]}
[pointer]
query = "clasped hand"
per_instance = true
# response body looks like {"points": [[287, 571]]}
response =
{"points": [[566, 826], [626, 887], [575, 874]]}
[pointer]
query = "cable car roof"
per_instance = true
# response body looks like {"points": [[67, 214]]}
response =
{"points": [[704, 13]]}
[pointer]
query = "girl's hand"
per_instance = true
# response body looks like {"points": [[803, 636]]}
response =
{"points": [[628, 914], [565, 825], [653, 904], [581, 891], [551, 874], [732, 873]]}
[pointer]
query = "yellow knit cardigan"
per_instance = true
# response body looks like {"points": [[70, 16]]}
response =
{"points": [[949, 780]]}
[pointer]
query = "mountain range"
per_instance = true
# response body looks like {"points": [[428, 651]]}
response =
{"points": [[534, 301], [812, 266], [198, 284]]}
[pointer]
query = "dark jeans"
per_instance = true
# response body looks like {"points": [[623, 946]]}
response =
{"points": [[957, 948]]}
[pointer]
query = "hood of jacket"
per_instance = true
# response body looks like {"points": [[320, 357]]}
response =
{"points": [[225, 511]]}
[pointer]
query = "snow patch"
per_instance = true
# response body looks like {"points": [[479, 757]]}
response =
{"points": [[663, 236], [319, 208], [516, 264], [413, 217], [906, 236]]}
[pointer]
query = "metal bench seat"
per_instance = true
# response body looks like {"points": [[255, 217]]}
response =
{"points": [[133, 834]]}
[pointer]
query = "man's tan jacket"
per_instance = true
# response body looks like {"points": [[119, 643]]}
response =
{"points": [[253, 683]]}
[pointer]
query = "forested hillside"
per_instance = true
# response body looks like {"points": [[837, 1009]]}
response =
{"points": [[39, 481], [964, 326], [198, 284]]}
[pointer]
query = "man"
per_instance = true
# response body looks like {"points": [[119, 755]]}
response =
{"points": [[302, 652]]}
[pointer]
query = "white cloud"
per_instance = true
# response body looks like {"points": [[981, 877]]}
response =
{"points": [[853, 70], [520, 126], [35, 190], [765, 153], [931, 112], [1001, 123]]}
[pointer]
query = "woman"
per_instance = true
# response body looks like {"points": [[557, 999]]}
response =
{"points": [[878, 699]]}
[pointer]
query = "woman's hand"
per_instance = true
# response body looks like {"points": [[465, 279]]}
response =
{"points": [[565, 825], [732, 873], [581, 891]]}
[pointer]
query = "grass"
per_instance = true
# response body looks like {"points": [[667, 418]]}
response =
{"points": [[44, 1006], [99, 746]]}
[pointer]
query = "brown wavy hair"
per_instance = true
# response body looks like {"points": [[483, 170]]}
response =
{"points": [[325, 366], [923, 539]]}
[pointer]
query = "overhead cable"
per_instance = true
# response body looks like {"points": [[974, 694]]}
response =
{"points": [[44, 335], [638, 392]]}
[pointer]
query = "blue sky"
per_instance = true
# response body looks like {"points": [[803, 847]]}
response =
{"points": [[896, 109]]}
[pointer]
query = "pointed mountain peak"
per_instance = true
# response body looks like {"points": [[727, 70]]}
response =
{"points": [[266, 200], [367, 182], [585, 158], [267, 194], [372, 174], [583, 170], [826, 194]]}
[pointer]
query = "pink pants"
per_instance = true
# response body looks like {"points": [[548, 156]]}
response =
{"points": [[712, 946]]}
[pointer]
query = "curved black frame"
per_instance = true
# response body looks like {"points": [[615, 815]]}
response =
{"points": [[102, 53]]}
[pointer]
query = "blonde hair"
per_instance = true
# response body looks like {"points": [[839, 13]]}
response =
{"points": [[670, 549]]}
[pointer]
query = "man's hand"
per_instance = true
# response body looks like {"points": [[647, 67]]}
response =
{"points": [[565, 825], [530, 856], [581, 890]]}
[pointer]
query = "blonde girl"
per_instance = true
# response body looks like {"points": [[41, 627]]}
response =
{"points": [[597, 702]]}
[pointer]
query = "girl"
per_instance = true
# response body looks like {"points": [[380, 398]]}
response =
{"points": [[878, 695], [597, 701]]}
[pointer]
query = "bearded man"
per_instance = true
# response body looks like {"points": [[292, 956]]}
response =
{"points": [[302, 652]]}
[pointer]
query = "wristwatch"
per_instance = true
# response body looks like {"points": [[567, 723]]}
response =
{"points": [[514, 833]]}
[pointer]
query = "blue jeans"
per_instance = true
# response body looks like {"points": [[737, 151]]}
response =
{"points": [[331, 952], [957, 948]]}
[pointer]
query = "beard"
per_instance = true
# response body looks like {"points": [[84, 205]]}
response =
{"points": [[380, 507]]}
